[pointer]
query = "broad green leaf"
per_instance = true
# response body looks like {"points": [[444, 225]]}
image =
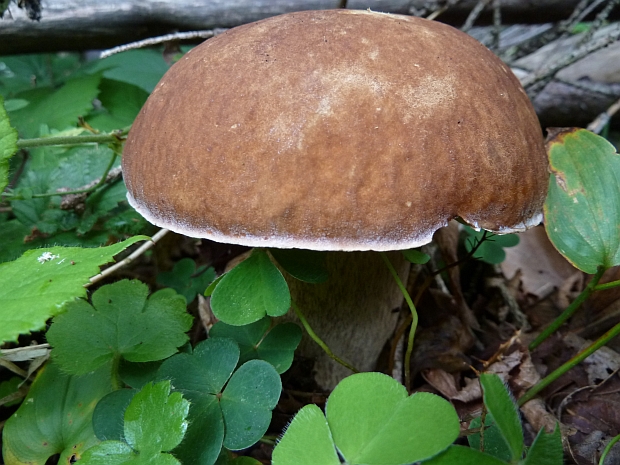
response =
{"points": [[243, 406], [582, 210], [398, 429], [461, 455], [137, 374], [34, 287], [142, 68], [247, 401], [23, 72], [109, 413], [186, 279], [494, 442], [154, 423], [546, 449], [259, 340], [307, 441], [58, 109], [492, 249], [15, 104], [122, 103], [305, 265], [55, 418], [120, 323], [8, 145], [416, 256], [251, 290], [503, 409], [211, 287]]}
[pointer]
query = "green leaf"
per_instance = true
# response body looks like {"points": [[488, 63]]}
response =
{"points": [[137, 374], [416, 256], [34, 287], [8, 145], [251, 290], [142, 68], [372, 421], [154, 422], [15, 104], [186, 279], [307, 441], [502, 407], [582, 210], [55, 418], [250, 395], [58, 109], [546, 449], [259, 341], [460, 455], [398, 429], [244, 406], [494, 442], [211, 287], [122, 103], [109, 413], [120, 323], [492, 249], [9, 387], [305, 265]]}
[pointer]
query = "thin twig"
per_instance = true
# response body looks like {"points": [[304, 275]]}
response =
{"points": [[473, 15], [161, 39], [143, 248], [497, 26], [597, 126], [598, 22]]}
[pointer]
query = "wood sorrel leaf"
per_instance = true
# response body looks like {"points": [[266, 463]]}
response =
{"points": [[582, 210], [121, 322], [305, 265], [251, 290], [259, 340], [34, 287]]}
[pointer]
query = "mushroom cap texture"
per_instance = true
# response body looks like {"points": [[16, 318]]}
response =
{"points": [[337, 130]]}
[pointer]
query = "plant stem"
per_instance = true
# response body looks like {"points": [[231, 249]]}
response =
{"points": [[608, 447], [319, 341], [602, 287], [115, 136], [572, 308], [580, 357], [414, 319]]}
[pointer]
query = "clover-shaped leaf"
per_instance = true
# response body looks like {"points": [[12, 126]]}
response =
{"points": [[154, 423], [370, 420], [227, 409], [251, 290], [121, 322], [305, 265], [55, 417], [186, 279], [492, 249], [259, 340]]}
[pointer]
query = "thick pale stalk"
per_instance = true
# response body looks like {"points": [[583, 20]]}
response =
{"points": [[354, 312]]}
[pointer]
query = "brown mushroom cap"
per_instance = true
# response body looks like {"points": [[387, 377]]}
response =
{"points": [[336, 130]]}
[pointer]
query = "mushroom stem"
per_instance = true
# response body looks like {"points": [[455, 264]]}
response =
{"points": [[354, 312]]}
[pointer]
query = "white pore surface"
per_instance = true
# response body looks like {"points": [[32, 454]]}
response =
{"points": [[279, 241]]}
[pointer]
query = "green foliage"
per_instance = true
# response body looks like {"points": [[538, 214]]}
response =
{"points": [[305, 265], [370, 420], [186, 279], [251, 290], [582, 211], [55, 417], [141, 68], [546, 449], [259, 340], [120, 323], [34, 287], [494, 443], [154, 423], [227, 408], [108, 416], [492, 248], [416, 256], [9, 387], [8, 145]]}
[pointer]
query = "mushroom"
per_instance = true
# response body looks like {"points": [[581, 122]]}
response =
{"points": [[342, 131]]}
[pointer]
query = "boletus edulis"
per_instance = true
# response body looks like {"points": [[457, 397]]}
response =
{"points": [[340, 130]]}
